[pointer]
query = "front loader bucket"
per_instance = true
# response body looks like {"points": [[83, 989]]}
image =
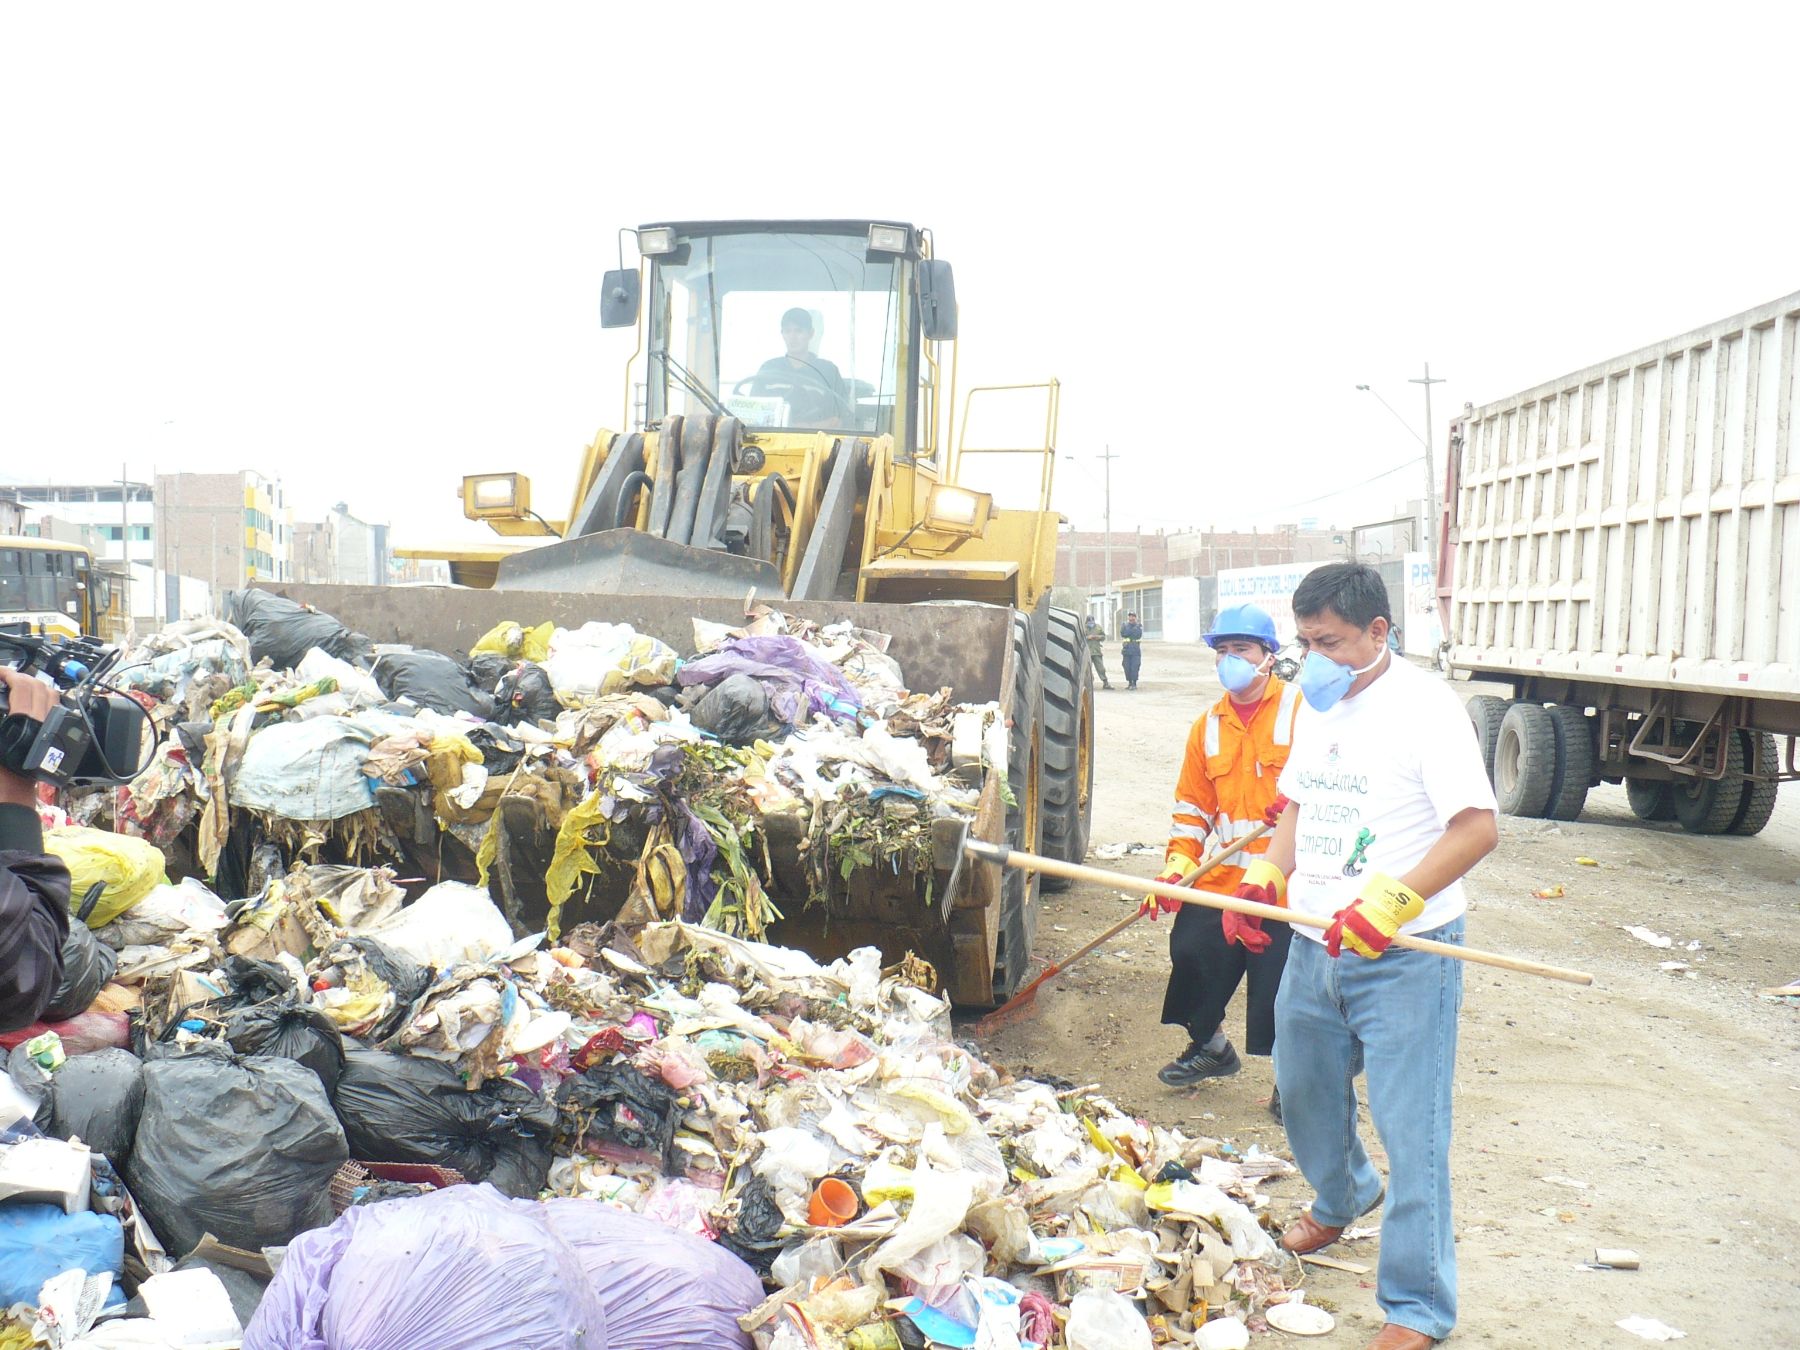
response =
{"points": [[948, 911], [633, 562]]}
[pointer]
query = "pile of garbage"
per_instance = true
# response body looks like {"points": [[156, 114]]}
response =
{"points": [[285, 1086], [679, 1136]]}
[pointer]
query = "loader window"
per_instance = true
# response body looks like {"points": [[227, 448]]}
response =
{"points": [[790, 331]]}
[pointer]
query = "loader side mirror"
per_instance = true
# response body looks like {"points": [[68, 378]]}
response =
{"points": [[937, 300], [620, 293]]}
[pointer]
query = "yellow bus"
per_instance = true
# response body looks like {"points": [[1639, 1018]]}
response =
{"points": [[53, 588]]}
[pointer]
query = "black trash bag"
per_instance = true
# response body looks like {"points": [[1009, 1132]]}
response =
{"points": [[526, 695], [736, 710], [290, 1030], [432, 680], [244, 1149], [754, 1235], [284, 631], [487, 669], [399, 1109], [96, 1097], [88, 963], [498, 756], [254, 981], [398, 972], [618, 1103]]}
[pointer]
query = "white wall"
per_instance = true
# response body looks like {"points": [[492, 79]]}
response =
{"points": [[1270, 588], [1181, 609]]}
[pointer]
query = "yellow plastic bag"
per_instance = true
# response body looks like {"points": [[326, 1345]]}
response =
{"points": [[516, 641], [130, 867]]}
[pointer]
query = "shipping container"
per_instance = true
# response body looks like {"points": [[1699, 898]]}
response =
{"points": [[1621, 546]]}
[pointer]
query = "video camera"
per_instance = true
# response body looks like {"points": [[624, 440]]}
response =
{"points": [[92, 735]]}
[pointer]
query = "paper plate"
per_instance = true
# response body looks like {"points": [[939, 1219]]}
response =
{"points": [[1299, 1319]]}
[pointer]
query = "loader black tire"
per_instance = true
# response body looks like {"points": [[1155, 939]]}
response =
{"points": [[1525, 760], [1758, 803], [1024, 815], [1068, 778], [1650, 798], [1707, 805], [1486, 713], [1574, 762]]}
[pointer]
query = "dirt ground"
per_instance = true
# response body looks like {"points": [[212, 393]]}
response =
{"points": [[1664, 1103]]}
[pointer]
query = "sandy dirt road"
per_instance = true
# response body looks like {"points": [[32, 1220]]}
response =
{"points": [[1667, 1103]]}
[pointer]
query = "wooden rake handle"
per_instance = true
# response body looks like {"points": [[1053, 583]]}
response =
{"points": [[1099, 876]]}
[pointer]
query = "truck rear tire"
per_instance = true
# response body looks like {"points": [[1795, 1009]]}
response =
{"points": [[1574, 762], [1486, 713], [1650, 798], [1758, 802], [1068, 779], [1525, 760], [1024, 817], [1708, 806]]}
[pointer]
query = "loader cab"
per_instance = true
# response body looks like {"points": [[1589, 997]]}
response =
{"points": [[790, 326]]}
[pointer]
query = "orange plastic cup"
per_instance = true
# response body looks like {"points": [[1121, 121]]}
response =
{"points": [[833, 1204]]}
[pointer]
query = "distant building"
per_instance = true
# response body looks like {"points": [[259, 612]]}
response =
{"points": [[342, 550], [12, 512], [115, 520], [224, 528]]}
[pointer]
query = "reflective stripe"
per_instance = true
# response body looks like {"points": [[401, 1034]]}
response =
{"points": [[1189, 809], [1212, 733], [1177, 830], [1284, 720]]}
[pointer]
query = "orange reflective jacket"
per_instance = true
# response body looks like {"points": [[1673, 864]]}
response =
{"points": [[1228, 780]]}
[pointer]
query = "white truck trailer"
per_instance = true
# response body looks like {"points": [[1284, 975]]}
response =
{"points": [[1621, 546]]}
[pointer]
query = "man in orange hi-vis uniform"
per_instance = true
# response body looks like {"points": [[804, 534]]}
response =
{"points": [[1235, 755]]}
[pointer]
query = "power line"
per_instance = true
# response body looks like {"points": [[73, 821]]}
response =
{"points": [[1338, 492]]}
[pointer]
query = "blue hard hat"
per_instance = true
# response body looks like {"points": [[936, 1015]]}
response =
{"points": [[1244, 621]]}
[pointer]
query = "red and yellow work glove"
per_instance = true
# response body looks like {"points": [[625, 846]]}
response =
{"points": [[1264, 883], [1175, 867], [1369, 923]]}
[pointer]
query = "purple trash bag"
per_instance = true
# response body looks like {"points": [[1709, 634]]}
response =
{"points": [[797, 685], [662, 1289], [460, 1269]]}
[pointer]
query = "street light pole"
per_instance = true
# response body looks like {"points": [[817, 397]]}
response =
{"points": [[1431, 519]]}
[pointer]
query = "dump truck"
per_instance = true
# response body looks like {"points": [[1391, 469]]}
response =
{"points": [[1621, 547], [791, 434]]}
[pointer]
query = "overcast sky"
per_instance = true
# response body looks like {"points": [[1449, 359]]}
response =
{"points": [[359, 247]]}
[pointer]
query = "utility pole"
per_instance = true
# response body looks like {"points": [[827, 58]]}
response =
{"points": [[1108, 457], [1431, 511]]}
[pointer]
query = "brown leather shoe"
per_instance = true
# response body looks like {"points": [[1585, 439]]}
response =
{"points": [[1396, 1337], [1306, 1234]]}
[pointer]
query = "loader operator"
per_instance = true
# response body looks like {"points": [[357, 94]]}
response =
{"points": [[1391, 807], [812, 386], [34, 885], [1228, 786]]}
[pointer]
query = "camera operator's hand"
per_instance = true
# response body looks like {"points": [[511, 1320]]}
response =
{"points": [[28, 697]]}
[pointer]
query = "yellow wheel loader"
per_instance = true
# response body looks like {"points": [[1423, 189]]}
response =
{"points": [[789, 411]]}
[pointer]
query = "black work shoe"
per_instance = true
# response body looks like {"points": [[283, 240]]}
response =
{"points": [[1275, 1105], [1197, 1062]]}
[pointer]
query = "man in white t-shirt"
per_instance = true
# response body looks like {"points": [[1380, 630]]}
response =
{"points": [[1390, 806]]}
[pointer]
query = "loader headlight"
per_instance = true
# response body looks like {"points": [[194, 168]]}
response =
{"points": [[654, 243], [956, 510], [888, 239], [496, 495]]}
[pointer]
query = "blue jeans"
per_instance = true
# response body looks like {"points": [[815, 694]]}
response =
{"points": [[1396, 1019]]}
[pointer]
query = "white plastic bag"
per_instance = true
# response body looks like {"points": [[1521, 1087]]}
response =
{"points": [[605, 658], [451, 922], [1100, 1319]]}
